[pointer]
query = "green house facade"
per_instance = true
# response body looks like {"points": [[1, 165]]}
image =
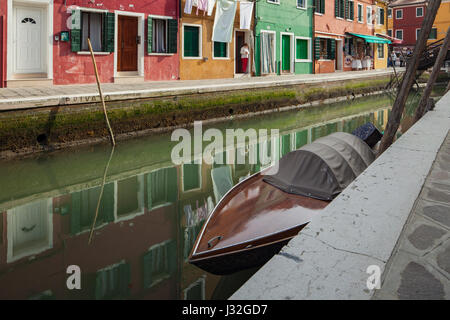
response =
{"points": [[283, 37]]}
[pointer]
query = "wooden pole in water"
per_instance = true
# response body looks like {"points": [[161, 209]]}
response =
{"points": [[409, 77], [420, 111], [113, 141]]}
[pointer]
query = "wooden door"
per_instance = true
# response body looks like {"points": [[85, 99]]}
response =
{"points": [[127, 59]]}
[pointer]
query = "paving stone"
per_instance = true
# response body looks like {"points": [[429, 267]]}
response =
{"points": [[425, 236], [437, 195], [438, 213], [418, 283], [443, 259]]}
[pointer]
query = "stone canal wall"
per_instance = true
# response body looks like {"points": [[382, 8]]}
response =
{"points": [[374, 225], [37, 124]]}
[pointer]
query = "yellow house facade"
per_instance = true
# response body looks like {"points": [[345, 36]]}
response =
{"points": [[441, 22], [200, 57], [381, 24]]}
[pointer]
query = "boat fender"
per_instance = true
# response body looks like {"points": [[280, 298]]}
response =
{"points": [[210, 242]]}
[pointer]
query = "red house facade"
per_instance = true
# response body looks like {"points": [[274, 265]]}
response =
{"points": [[45, 41], [408, 17]]}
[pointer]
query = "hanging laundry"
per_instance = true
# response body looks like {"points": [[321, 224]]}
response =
{"points": [[188, 6], [246, 14], [202, 5], [224, 20], [211, 4]]}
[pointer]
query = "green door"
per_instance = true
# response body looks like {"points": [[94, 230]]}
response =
{"points": [[286, 53]]}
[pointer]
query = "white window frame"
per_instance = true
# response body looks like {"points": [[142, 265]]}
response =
{"points": [[200, 176], [350, 19], [274, 50], [167, 35], [362, 13], [384, 56], [220, 58], [389, 13], [82, 9], [305, 2], [401, 30], [140, 197], [292, 41], [309, 49], [396, 16], [200, 42], [369, 17], [417, 16]]}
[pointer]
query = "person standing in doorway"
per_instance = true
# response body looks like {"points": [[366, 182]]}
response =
{"points": [[245, 52]]}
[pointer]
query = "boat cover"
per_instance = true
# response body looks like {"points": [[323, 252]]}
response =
{"points": [[323, 168]]}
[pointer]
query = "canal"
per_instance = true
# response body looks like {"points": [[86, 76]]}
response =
{"points": [[149, 216]]}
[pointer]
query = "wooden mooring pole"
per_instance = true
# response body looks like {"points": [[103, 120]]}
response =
{"points": [[421, 108], [409, 77], [113, 141]]}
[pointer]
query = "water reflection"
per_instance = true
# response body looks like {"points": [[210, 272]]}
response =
{"points": [[149, 217]]}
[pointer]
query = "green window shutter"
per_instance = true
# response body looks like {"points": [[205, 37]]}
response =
{"points": [[107, 203], [336, 8], [108, 31], [149, 35], [346, 9], [331, 49], [352, 10], [302, 49], [173, 35], [317, 48], [301, 138], [382, 16], [322, 6], [172, 252], [75, 33], [220, 49], [75, 212], [172, 185]]}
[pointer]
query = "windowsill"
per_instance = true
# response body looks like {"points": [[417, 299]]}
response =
{"points": [[301, 8], [277, 3], [193, 58], [362, 22], [303, 60], [160, 54], [318, 13], [85, 53], [221, 58], [350, 20], [325, 60], [339, 18]]}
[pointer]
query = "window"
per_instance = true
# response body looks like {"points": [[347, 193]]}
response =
{"points": [[389, 32], [160, 262], [162, 188], [191, 41], [380, 49], [389, 12], [113, 282], [351, 10], [302, 49], [399, 34], [433, 34], [360, 13], [399, 13], [191, 176], [339, 8], [369, 14], [380, 16], [319, 6], [301, 4], [325, 49], [417, 33], [91, 28], [274, 1], [220, 50], [162, 35], [419, 12], [98, 27]]}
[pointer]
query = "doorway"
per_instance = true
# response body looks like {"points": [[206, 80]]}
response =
{"points": [[240, 40], [286, 53], [128, 41], [339, 55]]}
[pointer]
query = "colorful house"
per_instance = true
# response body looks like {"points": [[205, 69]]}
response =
{"points": [[344, 35], [283, 41], [47, 41], [202, 58], [442, 21], [381, 27], [408, 16]]}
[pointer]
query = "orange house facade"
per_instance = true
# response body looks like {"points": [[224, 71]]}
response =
{"points": [[344, 35]]}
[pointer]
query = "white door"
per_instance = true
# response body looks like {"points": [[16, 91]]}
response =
{"points": [[29, 40]]}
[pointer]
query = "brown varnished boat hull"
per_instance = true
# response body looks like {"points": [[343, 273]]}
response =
{"points": [[255, 220]]}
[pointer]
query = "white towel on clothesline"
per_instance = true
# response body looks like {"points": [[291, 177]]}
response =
{"points": [[211, 4], [188, 7], [224, 20], [246, 9]]}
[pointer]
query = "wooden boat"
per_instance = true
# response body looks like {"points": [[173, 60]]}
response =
{"points": [[262, 213]]}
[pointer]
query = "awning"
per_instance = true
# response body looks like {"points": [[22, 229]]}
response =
{"points": [[393, 40], [370, 39]]}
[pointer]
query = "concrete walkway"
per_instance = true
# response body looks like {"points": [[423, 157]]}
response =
{"points": [[31, 97], [393, 218]]}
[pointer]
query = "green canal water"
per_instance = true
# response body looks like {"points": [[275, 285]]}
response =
{"points": [[150, 214]]}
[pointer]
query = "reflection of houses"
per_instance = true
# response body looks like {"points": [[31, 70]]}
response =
{"points": [[45, 41], [283, 37], [201, 58]]}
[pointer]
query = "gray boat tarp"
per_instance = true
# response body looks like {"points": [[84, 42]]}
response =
{"points": [[323, 168]]}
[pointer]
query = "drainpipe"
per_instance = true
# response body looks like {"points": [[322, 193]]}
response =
{"points": [[313, 38]]}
